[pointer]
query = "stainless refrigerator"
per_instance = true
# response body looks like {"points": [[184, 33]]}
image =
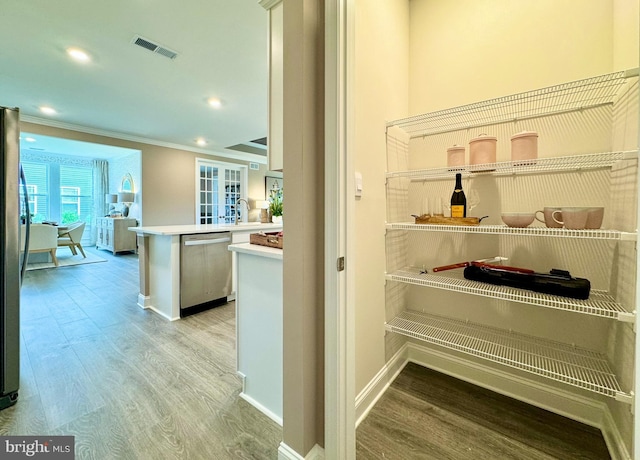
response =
{"points": [[13, 265]]}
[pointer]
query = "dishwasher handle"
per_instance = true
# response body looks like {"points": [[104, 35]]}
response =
{"points": [[212, 241]]}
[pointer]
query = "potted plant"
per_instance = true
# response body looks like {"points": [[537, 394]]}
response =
{"points": [[275, 205]]}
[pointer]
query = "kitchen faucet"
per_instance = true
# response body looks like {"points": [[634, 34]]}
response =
{"points": [[238, 208]]}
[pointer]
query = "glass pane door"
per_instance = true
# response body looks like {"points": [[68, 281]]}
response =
{"points": [[219, 189], [208, 195]]}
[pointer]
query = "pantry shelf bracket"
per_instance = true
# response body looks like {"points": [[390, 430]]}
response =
{"points": [[625, 397], [627, 317]]}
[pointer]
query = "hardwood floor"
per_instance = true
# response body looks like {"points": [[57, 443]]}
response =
{"points": [[129, 384], [428, 415], [125, 382]]}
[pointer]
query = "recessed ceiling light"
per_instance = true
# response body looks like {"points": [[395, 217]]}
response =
{"points": [[48, 110], [214, 102], [29, 139], [78, 54], [201, 142]]}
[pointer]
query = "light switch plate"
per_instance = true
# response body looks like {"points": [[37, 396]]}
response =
{"points": [[358, 183]]}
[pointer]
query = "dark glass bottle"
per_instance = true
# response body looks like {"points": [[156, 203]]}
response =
{"points": [[458, 199]]}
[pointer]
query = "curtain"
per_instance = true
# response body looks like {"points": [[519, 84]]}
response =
{"points": [[100, 189]]}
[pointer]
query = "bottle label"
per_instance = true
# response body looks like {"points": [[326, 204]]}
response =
{"points": [[457, 211]]}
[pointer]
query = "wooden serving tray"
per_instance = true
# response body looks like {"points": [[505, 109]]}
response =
{"points": [[440, 220], [270, 239]]}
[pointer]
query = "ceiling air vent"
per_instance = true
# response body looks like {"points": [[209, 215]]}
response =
{"points": [[154, 47]]}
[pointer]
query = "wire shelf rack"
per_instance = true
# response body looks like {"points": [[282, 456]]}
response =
{"points": [[541, 165], [600, 303], [566, 97], [557, 361], [598, 234]]}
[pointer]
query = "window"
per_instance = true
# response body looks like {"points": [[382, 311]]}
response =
{"points": [[32, 190], [59, 192], [37, 175], [76, 193], [70, 200], [219, 187]]}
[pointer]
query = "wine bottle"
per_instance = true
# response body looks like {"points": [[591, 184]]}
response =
{"points": [[458, 199]]}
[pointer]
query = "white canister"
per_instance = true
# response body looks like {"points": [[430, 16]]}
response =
{"points": [[524, 147], [455, 156], [482, 149]]}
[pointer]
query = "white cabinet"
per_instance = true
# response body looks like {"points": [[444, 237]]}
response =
{"points": [[588, 157], [259, 327], [113, 234]]}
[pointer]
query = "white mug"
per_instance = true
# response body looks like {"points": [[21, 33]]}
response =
{"points": [[549, 221], [594, 219], [572, 218]]}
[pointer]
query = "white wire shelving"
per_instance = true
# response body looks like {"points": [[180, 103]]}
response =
{"points": [[505, 168], [567, 97], [557, 361], [598, 234], [600, 303]]}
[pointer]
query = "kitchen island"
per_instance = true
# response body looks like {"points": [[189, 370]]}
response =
{"points": [[259, 326], [159, 260]]}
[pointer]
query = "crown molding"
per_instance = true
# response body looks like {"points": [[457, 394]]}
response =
{"points": [[234, 155]]}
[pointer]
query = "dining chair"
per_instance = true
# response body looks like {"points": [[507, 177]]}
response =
{"points": [[72, 238], [42, 239]]}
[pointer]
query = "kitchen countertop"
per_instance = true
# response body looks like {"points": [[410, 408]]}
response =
{"points": [[258, 250], [205, 228]]}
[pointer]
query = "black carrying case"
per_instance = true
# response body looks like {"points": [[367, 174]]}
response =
{"points": [[556, 282]]}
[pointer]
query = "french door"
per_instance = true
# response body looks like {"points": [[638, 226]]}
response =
{"points": [[219, 186]]}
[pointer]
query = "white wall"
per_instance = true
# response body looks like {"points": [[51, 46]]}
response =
{"points": [[464, 51], [626, 43], [380, 95]]}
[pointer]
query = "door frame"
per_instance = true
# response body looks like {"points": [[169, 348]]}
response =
{"points": [[339, 420]]}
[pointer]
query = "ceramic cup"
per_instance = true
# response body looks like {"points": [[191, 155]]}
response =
{"points": [[548, 217], [572, 218], [518, 219], [594, 218]]}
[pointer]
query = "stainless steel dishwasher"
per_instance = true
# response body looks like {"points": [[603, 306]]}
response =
{"points": [[205, 271]]}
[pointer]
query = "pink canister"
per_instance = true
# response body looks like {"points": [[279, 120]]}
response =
{"points": [[482, 149], [524, 147], [455, 156]]}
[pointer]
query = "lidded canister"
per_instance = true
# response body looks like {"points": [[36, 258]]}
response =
{"points": [[482, 149], [524, 146], [455, 156]]}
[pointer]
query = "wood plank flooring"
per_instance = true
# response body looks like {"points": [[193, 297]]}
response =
{"points": [[428, 415], [130, 385], [125, 382]]}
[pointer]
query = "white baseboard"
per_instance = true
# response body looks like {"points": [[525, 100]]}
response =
{"points": [[613, 439], [144, 301], [591, 412], [368, 397], [161, 313], [261, 408], [538, 394], [287, 453]]}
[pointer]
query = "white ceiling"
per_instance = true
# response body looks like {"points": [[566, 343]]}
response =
{"points": [[128, 90]]}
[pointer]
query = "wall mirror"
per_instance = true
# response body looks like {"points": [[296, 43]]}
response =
{"points": [[127, 183]]}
